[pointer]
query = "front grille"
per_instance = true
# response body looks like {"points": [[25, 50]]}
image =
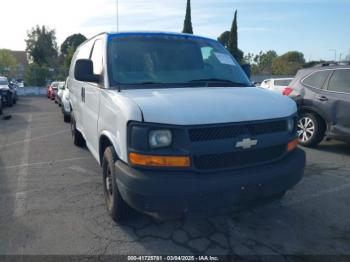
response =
{"points": [[238, 159], [233, 131]]}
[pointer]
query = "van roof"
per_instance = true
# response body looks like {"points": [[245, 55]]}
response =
{"points": [[146, 33]]}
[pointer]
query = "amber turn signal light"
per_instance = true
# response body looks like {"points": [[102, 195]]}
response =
{"points": [[159, 161], [292, 145]]}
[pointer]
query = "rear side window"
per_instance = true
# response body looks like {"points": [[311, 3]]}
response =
{"points": [[282, 82], [96, 57], [340, 81], [316, 79]]}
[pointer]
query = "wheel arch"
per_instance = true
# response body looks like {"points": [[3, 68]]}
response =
{"points": [[106, 139], [316, 113]]}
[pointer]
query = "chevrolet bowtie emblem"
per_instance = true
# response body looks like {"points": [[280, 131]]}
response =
{"points": [[247, 143]]}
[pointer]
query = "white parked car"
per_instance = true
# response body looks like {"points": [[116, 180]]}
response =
{"points": [[177, 127], [276, 84], [58, 95], [66, 104]]}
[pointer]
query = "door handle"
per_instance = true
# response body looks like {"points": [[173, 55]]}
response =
{"points": [[322, 98], [83, 94]]}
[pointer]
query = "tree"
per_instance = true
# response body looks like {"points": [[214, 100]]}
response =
{"points": [[8, 63], [248, 58], [288, 64], [36, 75], [42, 46], [188, 20], [264, 61], [72, 41], [224, 38], [68, 49], [232, 45]]}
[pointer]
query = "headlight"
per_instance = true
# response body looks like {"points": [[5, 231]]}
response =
{"points": [[291, 125], [160, 138]]}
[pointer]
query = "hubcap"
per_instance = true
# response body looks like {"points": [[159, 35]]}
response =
{"points": [[306, 129], [108, 182]]}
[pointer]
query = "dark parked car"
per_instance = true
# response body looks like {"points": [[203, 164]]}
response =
{"points": [[7, 93], [323, 97], [0, 104]]}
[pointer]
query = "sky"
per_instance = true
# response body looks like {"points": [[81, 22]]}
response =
{"points": [[315, 27]]}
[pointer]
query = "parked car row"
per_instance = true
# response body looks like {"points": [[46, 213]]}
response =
{"points": [[8, 93], [59, 92]]}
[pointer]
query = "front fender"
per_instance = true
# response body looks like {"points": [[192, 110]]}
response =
{"points": [[115, 140]]}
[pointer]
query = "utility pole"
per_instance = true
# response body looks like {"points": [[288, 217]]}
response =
{"points": [[335, 54]]}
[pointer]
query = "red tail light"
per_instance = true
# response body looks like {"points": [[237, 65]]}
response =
{"points": [[287, 91]]}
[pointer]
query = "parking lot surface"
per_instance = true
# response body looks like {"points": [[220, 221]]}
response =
{"points": [[51, 202]]}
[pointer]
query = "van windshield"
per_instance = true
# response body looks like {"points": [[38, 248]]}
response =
{"points": [[136, 61]]}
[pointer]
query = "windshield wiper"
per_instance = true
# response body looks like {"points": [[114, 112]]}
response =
{"points": [[218, 80]]}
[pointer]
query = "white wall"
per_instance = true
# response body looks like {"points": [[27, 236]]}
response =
{"points": [[31, 91]]}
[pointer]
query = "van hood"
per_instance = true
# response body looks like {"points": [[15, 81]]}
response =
{"points": [[198, 106]]}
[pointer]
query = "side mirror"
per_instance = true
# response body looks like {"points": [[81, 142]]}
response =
{"points": [[247, 69], [84, 71]]}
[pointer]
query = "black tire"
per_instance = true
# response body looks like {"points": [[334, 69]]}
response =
{"points": [[66, 118], [9, 100], [15, 101], [311, 130], [78, 138], [0, 107], [116, 206]]}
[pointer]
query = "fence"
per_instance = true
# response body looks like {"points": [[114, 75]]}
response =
{"points": [[31, 91]]}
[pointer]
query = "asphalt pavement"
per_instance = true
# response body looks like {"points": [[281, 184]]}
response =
{"points": [[51, 203]]}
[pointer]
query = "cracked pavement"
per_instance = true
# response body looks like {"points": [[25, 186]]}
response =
{"points": [[51, 203]]}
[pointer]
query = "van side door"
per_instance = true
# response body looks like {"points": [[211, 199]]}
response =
{"points": [[92, 93], [76, 87]]}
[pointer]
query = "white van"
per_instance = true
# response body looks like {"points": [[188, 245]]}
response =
{"points": [[177, 126]]}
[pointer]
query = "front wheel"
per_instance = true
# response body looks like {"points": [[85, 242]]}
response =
{"points": [[116, 206], [66, 118], [311, 130]]}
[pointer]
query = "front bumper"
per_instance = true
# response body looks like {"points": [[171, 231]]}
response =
{"points": [[171, 193], [5, 96]]}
